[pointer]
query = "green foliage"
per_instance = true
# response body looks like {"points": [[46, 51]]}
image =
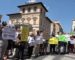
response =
{"points": [[4, 23]]}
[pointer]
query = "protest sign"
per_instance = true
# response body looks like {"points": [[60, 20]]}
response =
{"points": [[8, 33]]}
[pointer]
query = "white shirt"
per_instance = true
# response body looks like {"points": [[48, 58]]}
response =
{"points": [[31, 41], [72, 41], [68, 37], [56, 35], [16, 36], [39, 39]]}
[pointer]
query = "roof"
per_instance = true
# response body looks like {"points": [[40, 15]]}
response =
{"points": [[49, 19], [14, 14], [37, 3]]}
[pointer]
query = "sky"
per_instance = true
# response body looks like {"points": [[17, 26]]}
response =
{"points": [[61, 10]]}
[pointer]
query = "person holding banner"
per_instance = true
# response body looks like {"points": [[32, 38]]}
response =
{"points": [[8, 35], [3, 45], [22, 42]]}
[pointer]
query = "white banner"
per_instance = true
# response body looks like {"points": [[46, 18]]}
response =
{"points": [[9, 32]]}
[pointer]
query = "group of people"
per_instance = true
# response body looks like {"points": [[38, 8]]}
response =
{"points": [[36, 45], [62, 43], [16, 48]]}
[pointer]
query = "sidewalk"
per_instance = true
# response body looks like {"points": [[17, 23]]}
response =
{"points": [[54, 57]]}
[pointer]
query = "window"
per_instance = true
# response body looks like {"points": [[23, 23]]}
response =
{"points": [[28, 19], [12, 21], [35, 8], [29, 9], [23, 10], [20, 21], [74, 28], [17, 21], [41, 10], [23, 20], [34, 20]]}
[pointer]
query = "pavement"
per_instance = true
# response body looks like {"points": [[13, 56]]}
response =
{"points": [[54, 57]]}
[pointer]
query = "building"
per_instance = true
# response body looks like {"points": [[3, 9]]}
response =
{"points": [[33, 14], [56, 27], [73, 26]]}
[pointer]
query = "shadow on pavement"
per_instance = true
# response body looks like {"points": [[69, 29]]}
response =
{"points": [[49, 57], [70, 57], [58, 57], [40, 58], [54, 57]]}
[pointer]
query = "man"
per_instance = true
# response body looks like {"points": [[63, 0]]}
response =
{"points": [[68, 42], [72, 44], [62, 43], [53, 41]]}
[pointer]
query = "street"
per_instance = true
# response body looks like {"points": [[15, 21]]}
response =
{"points": [[56, 57]]}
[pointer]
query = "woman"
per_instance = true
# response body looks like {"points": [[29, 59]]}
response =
{"points": [[39, 44], [31, 43]]}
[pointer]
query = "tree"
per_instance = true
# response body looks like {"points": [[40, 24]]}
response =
{"points": [[4, 23]]}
